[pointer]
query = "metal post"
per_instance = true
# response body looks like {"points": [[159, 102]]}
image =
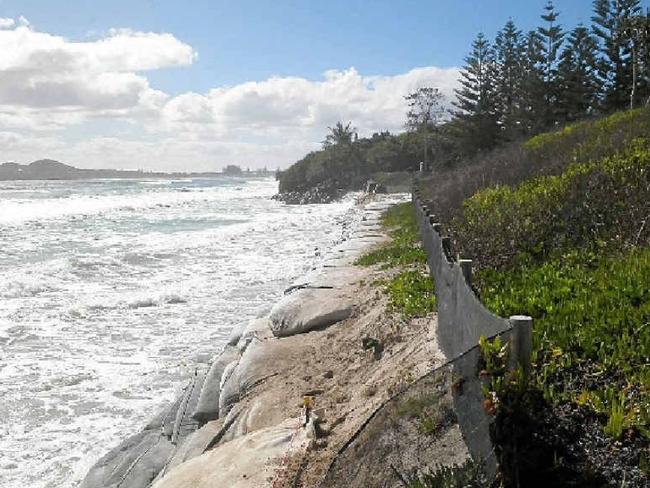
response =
{"points": [[521, 342]]}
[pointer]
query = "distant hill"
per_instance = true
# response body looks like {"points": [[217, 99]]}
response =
{"points": [[48, 169]]}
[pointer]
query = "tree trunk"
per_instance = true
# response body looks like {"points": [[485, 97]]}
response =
{"points": [[634, 75], [426, 151]]}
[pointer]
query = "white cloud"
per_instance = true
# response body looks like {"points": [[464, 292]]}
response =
{"points": [[73, 101], [6, 23], [296, 104], [40, 70]]}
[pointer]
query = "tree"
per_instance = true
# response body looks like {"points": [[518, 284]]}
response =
{"points": [[611, 20], [636, 29], [578, 78], [475, 99], [533, 110], [510, 49], [340, 135], [551, 38], [425, 111]]}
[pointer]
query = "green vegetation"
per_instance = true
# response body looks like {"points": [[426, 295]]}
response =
{"points": [[426, 409], [511, 88], [598, 205], [411, 290], [411, 294], [591, 328], [469, 475], [404, 248], [558, 229], [347, 162]]}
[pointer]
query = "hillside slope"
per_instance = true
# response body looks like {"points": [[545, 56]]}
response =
{"points": [[558, 229]]}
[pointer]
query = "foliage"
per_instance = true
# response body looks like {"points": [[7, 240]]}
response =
{"points": [[340, 135], [347, 162], [411, 291], [468, 475], [424, 108], [404, 247], [519, 85], [411, 294], [591, 316], [597, 205]]}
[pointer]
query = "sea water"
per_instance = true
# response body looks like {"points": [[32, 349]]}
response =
{"points": [[111, 292]]}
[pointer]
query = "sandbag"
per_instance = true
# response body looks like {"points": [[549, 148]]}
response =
{"points": [[207, 407], [250, 461], [310, 309], [133, 464]]}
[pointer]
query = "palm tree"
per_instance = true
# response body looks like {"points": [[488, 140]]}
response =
{"points": [[340, 135]]}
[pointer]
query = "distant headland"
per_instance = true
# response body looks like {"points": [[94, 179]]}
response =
{"points": [[48, 169]]}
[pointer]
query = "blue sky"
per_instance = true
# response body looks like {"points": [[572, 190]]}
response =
{"points": [[171, 85], [247, 40]]}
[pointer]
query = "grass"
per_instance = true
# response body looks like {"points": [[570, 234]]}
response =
{"points": [[411, 291], [404, 248], [602, 205], [468, 475]]}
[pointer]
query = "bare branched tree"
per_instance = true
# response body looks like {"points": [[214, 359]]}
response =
{"points": [[425, 112]]}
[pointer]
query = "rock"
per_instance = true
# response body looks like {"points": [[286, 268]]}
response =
{"points": [[325, 192], [328, 374], [310, 309]]}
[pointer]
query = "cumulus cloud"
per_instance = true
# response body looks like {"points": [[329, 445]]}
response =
{"points": [[41, 70], [296, 104], [71, 100]]}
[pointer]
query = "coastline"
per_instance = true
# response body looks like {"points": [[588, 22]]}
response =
{"points": [[209, 410]]}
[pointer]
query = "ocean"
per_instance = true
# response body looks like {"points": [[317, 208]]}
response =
{"points": [[111, 291]]}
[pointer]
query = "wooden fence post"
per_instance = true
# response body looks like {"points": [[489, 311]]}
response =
{"points": [[521, 342]]}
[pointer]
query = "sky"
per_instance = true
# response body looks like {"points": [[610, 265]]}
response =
{"points": [[196, 85]]}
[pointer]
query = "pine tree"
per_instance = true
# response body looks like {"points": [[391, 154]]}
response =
{"points": [[643, 59], [552, 37], [578, 77], [475, 99], [611, 20], [533, 106], [510, 49]]}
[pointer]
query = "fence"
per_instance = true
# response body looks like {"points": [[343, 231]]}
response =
{"points": [[416, 433]]}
